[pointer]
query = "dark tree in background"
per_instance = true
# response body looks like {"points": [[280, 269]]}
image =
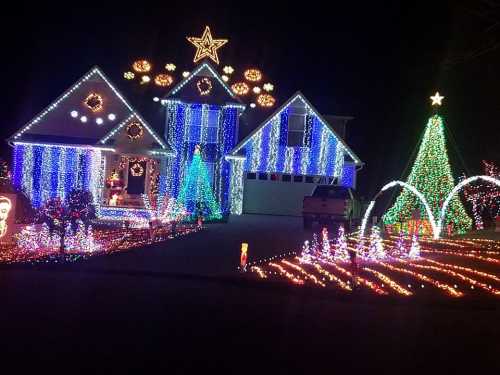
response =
{"points": [[5, 184]]}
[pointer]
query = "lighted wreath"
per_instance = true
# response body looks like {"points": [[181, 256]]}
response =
{"points": [[204, 86], [163, 80], [137, 170], [253, 75], [134, 131], [141, 66], [240, 88], [94, 102], [266, 100]]}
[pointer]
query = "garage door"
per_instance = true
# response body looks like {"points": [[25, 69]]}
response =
{"points": [[275, 194]]}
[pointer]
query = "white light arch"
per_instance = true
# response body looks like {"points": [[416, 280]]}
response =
{"points": [[435, 228], [456, 189]]}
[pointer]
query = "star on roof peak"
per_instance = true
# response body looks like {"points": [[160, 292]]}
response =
{"points": [[206, 46]]}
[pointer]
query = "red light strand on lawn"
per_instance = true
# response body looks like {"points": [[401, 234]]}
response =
{"points": [[387, 280], [447, 288], [453, 274]]}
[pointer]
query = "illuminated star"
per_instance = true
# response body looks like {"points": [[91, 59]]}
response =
{"points": [[206, 46], [437, 99]]}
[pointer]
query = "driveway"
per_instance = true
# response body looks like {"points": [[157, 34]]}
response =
{"points": [[172, 308], [215, 251]]}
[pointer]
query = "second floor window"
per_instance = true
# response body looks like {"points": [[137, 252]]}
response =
{"points": [[204, 126]]}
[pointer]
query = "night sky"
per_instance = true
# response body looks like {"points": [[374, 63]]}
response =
{"points": [[378, 63]]}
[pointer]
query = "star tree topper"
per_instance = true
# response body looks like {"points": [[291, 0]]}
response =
{"points": [[437, 99], [206, 46]]}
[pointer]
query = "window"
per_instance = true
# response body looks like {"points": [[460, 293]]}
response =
{"points": [[297, 178], [286, 178], [337, 192], [296, 126], [251, 176], [262, 176], [201, 131], [309, 179]]}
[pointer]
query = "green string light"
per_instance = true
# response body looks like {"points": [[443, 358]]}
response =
{"points": [[196, 193], [431, 175]]}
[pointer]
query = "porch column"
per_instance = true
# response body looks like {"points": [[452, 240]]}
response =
{"points": [[236, 185]]}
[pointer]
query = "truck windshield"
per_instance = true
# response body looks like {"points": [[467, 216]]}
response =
{"points": [[335, 192]]}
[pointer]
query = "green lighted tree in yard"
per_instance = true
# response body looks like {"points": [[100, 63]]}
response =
{"points": [[196, 194], [431, 175]]}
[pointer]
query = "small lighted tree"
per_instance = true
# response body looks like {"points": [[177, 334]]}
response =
{"points": [[415, 248], [196, 194], [306, 252], [341, 246], [315, 248], [399, 247], [376, 247], [326, 250]]}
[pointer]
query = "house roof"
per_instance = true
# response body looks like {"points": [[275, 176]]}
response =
{"points": [[298, 96], [135, 116], [203, 70], [61, 121]]}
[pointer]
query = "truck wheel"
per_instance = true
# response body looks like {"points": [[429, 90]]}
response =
{"points": [[307, 223]]}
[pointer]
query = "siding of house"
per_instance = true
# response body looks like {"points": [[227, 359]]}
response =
{"points": [[321, 154], [214, 128]]}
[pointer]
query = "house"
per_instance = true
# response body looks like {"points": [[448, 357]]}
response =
{"points": [[285, 157], [202, 110], [91, 138]]}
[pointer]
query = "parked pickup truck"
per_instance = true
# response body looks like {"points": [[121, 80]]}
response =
{"points": [[330, 204]]}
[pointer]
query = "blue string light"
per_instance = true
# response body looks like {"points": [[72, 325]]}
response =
{"points": [[348, 173], [36, 198], [316, 157], [54, 173], [17, 177], [214, 128]]}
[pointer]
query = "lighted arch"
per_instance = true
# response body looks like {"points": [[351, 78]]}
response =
{"points": [[456, 189], [391, 184]]}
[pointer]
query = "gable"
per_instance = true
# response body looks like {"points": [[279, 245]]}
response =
{"points": [[70, 120], [297, 140], [187, 90], [134, 134]]}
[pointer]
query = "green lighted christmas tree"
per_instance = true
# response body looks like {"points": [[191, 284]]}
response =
{"points": [[196, 194], [431, 175]]}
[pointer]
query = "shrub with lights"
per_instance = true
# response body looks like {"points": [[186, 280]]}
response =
{"points": [[484, 197], [65, 217]]}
